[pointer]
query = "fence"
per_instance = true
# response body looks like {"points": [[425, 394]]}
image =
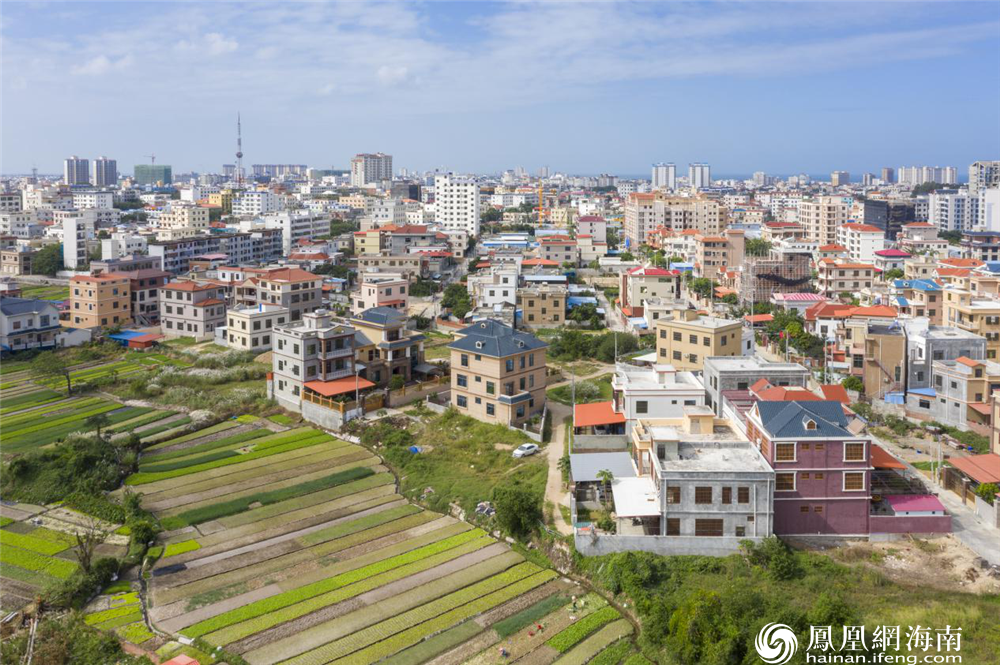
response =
{"points": [[371, 402], [589, 543], [417, 391]]}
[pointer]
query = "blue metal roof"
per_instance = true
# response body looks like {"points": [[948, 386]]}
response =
{"points": [[902, 302], [924, 392], [126, 335]]}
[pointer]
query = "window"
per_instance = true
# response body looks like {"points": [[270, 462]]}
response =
{"points": [[673, 526], [677, 337], [743, 494], [803, 509], [465, 360], [804, 476], [784, 482], [510, 365], [727, 495], [784, 452], [854, 481], [820, 446], [491, 409], [924, 404], [703, 495], [854, 452], [673, 494], [462, 380], [708, 528], [741, 531], [491, 388], [677, 355], [462, 401], [693, 339], [642, 406], [707, 341]]}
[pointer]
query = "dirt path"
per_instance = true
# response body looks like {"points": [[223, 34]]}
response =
{"points": [[553, 485]]}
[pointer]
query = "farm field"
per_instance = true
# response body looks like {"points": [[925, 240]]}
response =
{"points": [[34, 556], [294, 546], [45, 291]]}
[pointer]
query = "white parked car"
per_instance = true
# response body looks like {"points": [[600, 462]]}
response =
{"points": [[525, 449]]}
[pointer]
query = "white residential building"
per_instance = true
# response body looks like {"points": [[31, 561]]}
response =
{"points": [[297, 225], [20, 224], [861, 241], [984, 175], [77, 229], [699, 175], [249, 204], [918, 175], [251, 328], [951, 210], [456, 203], [495, 287], [659, 391], [99, 200], [122, 244]]}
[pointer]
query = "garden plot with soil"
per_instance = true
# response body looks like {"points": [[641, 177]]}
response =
{"points": [[295, 547]]}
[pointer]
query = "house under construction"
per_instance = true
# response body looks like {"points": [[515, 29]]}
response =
{"points": [[782, 271]]}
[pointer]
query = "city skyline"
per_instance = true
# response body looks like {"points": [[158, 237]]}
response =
{"points": [[432, 85]]}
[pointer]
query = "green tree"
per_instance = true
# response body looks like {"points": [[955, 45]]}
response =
{"points": [[518, 508], [397, 381], [456, 297], [97, 422], [702, 286], [627, 256], [757, 247], [987, 492], [853, 383], [894, 274], [48, 260], [50, 365], [606, 478]]}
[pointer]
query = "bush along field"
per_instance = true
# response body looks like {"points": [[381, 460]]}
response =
{"points": [[294, 546]]}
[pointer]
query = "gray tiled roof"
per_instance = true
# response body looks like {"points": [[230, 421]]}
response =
{"points": [[784, 420], [495, 339], [12, 306], [382, 316]]}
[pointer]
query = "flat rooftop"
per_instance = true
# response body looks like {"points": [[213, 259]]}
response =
{"points": [[648, 378], [749, 363], [716, 455]]}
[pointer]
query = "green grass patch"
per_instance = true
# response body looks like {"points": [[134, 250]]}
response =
{"points": [[173, 549], [569, 637], [187, 461], [32, 577], [144, 478], [135, 423], [613, 654], [587, 392], [234, 506], [65, 539], [123, 620], [112, 613], [638, 659], [31, 543], [434, 646], [247, 418], [136, 633], [118, 586], [376, 572], [281, 419], [529, 615], [4, 521], [160, 429]]}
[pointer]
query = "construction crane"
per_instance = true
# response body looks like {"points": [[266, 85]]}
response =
{"points": [[541, 203], [152, 158]]}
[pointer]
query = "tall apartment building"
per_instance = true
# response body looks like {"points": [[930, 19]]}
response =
{"points": [[821, 216], [688, 339], [665, 176], [862, 241], [843, 276], [105, 172], [178, 216], [76, 230], [715, 253], [157, 175], [699, 175], [456, 203], [296, 225], [984, 175], [840, 178], [191, 309], [918, 175], [253, 203], [76, 171], [144, 287], [498, 373], [370, 168], [313, 360], [645, 212], [888, 175], [951, 210], [99, 301]]}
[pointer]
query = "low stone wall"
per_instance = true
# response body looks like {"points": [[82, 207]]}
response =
{"points": [[590, 545], [327, 418], [398, 398], [436, 408], [899, 524], [583, 443]]}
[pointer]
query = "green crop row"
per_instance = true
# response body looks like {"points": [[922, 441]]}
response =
{"points": [[383, 630], [173, 549], [529, 615], [34, 578], [143, 478], [160, 429], [53, 536], [564, 640], [126, 598], [135, 423], [30, 543], [124, 620], [112, 613], [434, 646], [28, 400], [204, 447], [184, 463], [136, 633], [212, 429], [4, 521], [68, 406], [414, 634], [32, 424], [336, 531], [638, 659], [613, 654], [282, 600], [234, 506], [37, 562]]}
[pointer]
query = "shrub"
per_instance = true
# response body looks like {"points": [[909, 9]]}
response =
{"points": [[987, 492], [853, 383], [80, 587], [518, 509]]}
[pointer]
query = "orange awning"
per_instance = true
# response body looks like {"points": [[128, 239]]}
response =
{"points": [[883, 460], [599, 413], [340, 386]]}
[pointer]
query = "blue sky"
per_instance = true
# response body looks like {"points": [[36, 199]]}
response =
{"points": [[585, 88]]}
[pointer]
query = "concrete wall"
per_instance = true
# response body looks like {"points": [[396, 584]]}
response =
{"points": [[881, 524], [989, 513], [590, 545], [327, 418], [599, 442], [398, 398]]}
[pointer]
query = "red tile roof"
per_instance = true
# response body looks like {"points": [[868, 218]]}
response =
{"points": [[968, 362], [188, 286], [836, 393], [759, 318], [862, 228], [883, 460], [983, 468], [598, 413]]}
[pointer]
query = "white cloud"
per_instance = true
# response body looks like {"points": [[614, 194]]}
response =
{"points": [[327, 89], [218, 44], [101, 65], [392, 74]]}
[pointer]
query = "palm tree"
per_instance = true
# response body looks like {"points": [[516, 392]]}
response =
{"points": [[606, 478], [97, 421]]}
